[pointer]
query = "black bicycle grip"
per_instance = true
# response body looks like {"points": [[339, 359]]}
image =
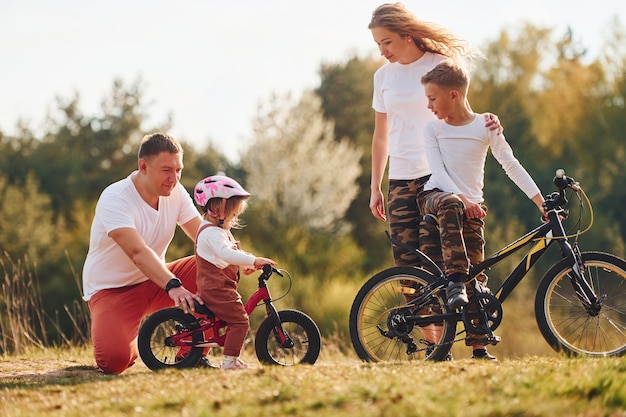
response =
{"points": [[561, 181]]}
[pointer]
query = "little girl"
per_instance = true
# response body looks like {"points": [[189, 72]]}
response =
{"points": [[219, 257]]}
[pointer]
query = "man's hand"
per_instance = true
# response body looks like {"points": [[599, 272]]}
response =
{"points": [[184, 298]]}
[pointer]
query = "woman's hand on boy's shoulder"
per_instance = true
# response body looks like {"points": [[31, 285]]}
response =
{"points": [[492, 122]]}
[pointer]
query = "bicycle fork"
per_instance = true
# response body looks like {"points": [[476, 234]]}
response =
{"points": [[582, 287], [282, 338]]}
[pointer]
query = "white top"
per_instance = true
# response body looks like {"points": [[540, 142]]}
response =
{"points": [[398, 92], [120, 205], [457, 157], [218, 246]]}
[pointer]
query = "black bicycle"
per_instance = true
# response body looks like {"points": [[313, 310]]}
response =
{"points": [[400, 314]]}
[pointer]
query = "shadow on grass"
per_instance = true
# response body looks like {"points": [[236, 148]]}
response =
{"points": [[71, 375]]}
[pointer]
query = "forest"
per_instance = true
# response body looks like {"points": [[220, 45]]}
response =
{"points": [[308, 168]]}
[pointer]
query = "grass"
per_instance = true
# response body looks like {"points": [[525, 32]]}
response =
{"points": [[64, 382], [37, 381]]}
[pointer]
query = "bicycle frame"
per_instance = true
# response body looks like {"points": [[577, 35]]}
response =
{"points": [[542, 236], [213, 327]]}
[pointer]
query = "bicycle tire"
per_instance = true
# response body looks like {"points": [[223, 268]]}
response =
{"points": [[152, 340], [303, 332], [383, 293], [566, 324]]}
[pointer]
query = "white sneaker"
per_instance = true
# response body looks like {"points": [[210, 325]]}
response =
{"points": [[234, 365]]}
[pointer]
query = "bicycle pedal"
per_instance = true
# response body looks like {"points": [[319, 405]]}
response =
{"points": [[493, 340], [486, 340]]}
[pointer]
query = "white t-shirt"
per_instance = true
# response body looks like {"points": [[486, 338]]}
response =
{"points": [[457, 156], [218, 246], [120, 205], [398, 92]]}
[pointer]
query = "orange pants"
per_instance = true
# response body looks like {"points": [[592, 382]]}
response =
{"points": [[116, 314]]}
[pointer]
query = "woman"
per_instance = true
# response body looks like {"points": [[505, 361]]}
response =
{"points": [[413, 48]]}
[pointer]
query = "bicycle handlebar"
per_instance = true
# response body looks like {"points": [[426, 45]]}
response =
{"points": [[562, 182], [268, 270]]}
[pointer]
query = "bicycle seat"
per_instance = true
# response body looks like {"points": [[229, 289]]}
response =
{"points": [[202, 309]]}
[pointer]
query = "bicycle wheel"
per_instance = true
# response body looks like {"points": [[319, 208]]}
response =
{"points": [[378, 311], [300, 328], [153, 340], [564, 321]]}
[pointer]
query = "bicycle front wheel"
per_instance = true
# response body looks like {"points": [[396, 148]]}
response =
{"points": [[302, 332], [574, 329], [378, 329]]}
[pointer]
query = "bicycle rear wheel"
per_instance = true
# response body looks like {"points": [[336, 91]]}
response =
{"points": [[377, 327], [153, 340], [571, 328]]}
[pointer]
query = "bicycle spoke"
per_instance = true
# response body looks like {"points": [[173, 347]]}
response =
{"points": [[592, 329], [379, 335]]}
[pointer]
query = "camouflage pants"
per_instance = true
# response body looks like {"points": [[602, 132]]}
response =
{"points": [[447, 237], [452, 241], [405, 217]]}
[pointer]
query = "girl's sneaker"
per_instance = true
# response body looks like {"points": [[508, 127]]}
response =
{"points": [[234, 365]]}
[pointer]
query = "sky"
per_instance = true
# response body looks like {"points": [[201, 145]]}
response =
{"points": [[210, 63]]}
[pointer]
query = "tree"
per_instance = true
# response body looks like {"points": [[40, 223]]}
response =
{"points": [[346, 91], [80, 154], [28, 227], [302, 181], [560, 109], [297, 171]]}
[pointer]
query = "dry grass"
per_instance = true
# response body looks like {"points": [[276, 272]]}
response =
{"points": [[64, 383], [38, 381]]}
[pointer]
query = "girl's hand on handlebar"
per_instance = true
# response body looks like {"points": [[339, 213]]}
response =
{"points": [[258, 264]]}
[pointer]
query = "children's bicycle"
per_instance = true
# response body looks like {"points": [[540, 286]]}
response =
{"points": [[400, 314], [175, 339]]}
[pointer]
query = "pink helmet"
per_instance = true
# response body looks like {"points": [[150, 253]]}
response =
{"points": [[218, 186]]}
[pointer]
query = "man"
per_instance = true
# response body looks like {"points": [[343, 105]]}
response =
{"points": [[125, 276]]}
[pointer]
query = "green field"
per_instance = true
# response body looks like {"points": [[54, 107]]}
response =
{"points": [[65, 383]]}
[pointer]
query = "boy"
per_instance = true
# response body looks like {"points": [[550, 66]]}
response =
{"points": [[456, 148]]}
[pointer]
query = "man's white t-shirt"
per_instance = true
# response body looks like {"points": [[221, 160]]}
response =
{"points": [[120, 205], [398, 92]]}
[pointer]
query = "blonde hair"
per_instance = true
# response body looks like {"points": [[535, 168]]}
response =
{"points": [[448, 74], [234, 205], [427, 36]]}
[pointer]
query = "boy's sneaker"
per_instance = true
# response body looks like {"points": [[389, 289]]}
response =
{"points": [[235, 365], [456, 294], [482, 354]]}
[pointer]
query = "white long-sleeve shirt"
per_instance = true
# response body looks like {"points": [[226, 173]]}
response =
{"points": [[219, 247], [457, 155]]}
